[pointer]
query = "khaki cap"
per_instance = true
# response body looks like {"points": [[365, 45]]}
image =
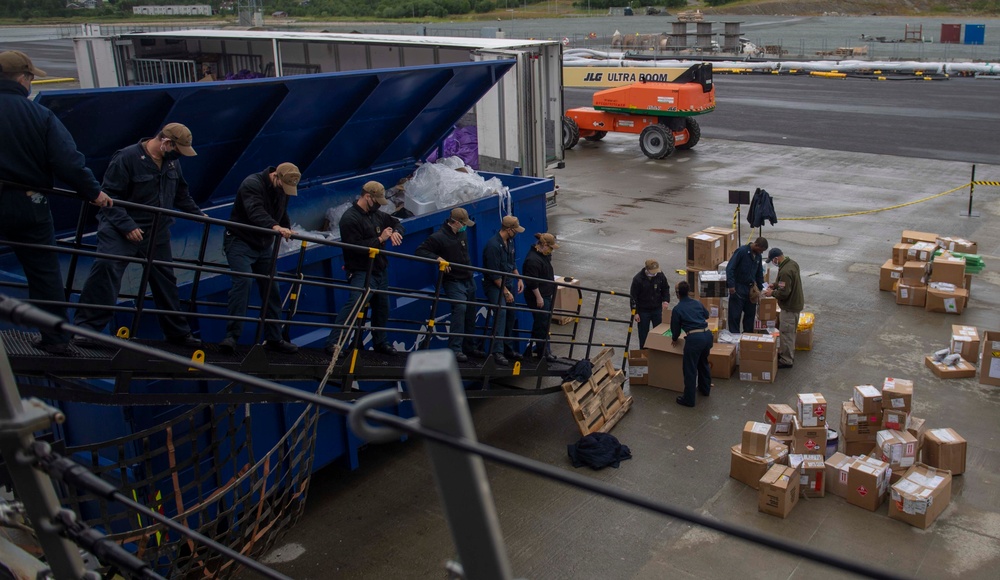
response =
{"points": [[461, 216], [289, 176], [377, 190], [547, 239], [15, 61], [512, 222], [652, 266], [181, 136]]}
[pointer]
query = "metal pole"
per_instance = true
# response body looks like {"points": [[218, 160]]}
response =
{"points": [[972, 188], [33, 487], [439, 399]]}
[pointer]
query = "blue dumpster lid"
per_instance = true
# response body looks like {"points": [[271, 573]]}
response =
{"points": [[331, 125]]}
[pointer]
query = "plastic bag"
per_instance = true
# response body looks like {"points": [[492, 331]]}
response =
{"points": [[332, 218]]}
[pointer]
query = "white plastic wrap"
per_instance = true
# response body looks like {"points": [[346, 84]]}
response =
{"points": [[446, 183]]}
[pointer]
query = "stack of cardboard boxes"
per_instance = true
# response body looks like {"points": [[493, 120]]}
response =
{"points": [[886, 453], [922, 272]]}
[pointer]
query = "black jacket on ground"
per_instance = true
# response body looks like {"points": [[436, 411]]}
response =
{"points": [[649, 293], [258, 203], [538, 266], [362, 228], [452, 247]]}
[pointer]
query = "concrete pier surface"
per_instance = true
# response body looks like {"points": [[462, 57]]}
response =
{"points": [[617, 208]]}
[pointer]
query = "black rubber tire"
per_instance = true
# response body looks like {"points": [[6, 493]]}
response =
{"points": [[571, 133], [694, 133], [656, 141], [597, 136]]}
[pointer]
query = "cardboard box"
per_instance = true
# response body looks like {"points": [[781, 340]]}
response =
{"points": [[713, 326], [749, 468], [759, 347], [917, 271], [867, 481], [965, 341], [712, 284], [717, 307], [729, 239], [917, 428], [804, 339], [868, 399], [920, 496], [691, 275], [911, 293], [665, 359], [808, 440], [811, 409], [836, 474], [889, 275], [949, 269], [722, 360], [948, 301], [893, 419], [898, 449], [566, 305], [858, 426], [757, 371], [899, 253], [856, 448], [944, 449], [638, 367], [812, 473], [912, 237], [960, 370], [779, 491], [705, 251], [781, 416], [961, 245], [756, 437], [767, 309], [920, 252], [989, 359], [897, 394]]}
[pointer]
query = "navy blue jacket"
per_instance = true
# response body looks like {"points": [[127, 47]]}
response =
{"points": [[537, 265], [649, 292], [36, 146], [362, 228], [744, 268], [453, 247], [688, 315], [258, 203], [500, 256], [133, 176]]}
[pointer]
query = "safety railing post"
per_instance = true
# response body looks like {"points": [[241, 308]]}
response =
{"points": [[34, 488], [295, 292], [432, 319], [593, 323], [972, 189], [196, 281], [147, 271], [439, 400], [266, 295], [77, 243]]}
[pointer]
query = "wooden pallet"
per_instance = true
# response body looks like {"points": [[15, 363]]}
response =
{"points": [[598, 403]]}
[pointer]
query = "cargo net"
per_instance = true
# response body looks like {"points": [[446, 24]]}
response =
{"points": [[199, 470]]}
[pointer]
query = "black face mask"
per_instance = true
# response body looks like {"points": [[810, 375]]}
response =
{"points": [[171, 156]]}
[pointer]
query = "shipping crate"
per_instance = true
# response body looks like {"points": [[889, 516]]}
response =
{"points": [[599, 402]]}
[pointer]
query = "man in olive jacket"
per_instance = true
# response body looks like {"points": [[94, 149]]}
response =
{"points": [[788, 290]]}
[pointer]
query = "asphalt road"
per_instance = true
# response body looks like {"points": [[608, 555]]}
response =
{"points": [[951, 120]]}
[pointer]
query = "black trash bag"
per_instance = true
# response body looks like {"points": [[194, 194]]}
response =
{"points": [[598, 450]]}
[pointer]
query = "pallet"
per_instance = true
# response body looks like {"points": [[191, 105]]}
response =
{"points": [[599, 402]]}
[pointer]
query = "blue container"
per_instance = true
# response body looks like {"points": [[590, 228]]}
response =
{"points": [[975, 34], [341, 129]]}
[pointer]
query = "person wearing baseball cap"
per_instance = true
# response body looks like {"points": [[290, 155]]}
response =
{"points": [[148, 173], [538, 295], [365, 226], [649, 294], [500, 256], [35, 149], [787, 289], [450, 246], [261, 201]]}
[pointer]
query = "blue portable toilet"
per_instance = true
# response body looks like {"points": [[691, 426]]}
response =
{"points": [[975, 34]]}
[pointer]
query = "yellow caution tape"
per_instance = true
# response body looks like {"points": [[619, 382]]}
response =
{"points": [[993, 183]]}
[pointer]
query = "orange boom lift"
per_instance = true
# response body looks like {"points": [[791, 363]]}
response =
{"points": [[661, 113]]}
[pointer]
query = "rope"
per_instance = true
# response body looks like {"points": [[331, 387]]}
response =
{"points": [[505, 207], [870, 211]]}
